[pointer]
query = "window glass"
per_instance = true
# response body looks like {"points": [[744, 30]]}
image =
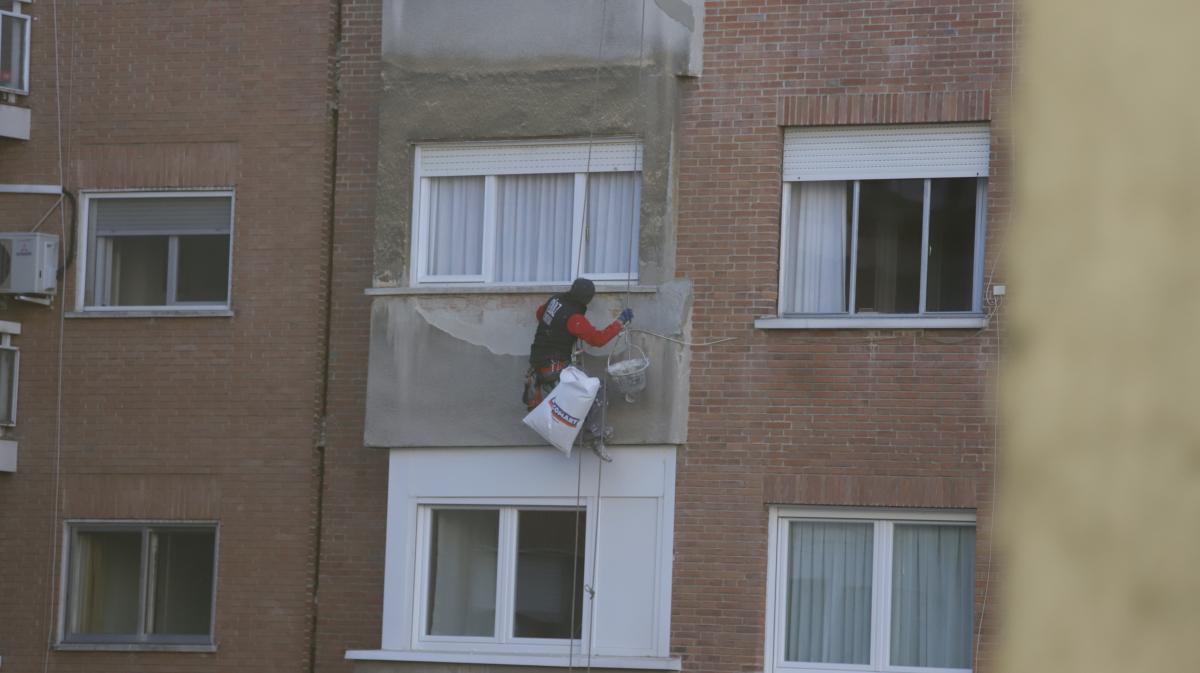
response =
{"points": [[8, 370], [158, 251], [828, 610], [933, 593], [889, 246], [203, 269], [613, 213], [533, 227], [462, 572], [951, 245], [183, 582], [456, 226], [818, 237], [108, 576], [137, 273], [12, 52], [549, 586]]}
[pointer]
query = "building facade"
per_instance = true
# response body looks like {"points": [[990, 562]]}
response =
{"points": [[161, 512], [802, 202]]}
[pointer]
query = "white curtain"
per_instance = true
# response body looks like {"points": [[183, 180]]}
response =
{"points": [[533, 228], [106, 580], [829, 593], [455, 226], [613, 213], [462, 572], [815, 261], [933, 592]]}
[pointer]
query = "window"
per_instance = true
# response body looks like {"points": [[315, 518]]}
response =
{"points": [[527, 213], [872, 591], [504, 574], [14, 51], [883, 221], [141, 584], [10, 359], [158, 250]]}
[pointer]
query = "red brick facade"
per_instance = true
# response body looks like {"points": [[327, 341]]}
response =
{"points": [[896, 418], [169, 418]]}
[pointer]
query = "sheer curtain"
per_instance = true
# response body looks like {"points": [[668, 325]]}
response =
{"points": [[933, 582], [462, 572], [107, 577], [533, 227], [829, 593], [455, 226], [815, 262], [613, 213]]}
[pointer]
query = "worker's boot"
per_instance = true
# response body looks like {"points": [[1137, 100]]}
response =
{"points": [[601, 451]]}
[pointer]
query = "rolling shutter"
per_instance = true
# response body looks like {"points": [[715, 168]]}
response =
{"points": [[882, 152], [529, 158]]}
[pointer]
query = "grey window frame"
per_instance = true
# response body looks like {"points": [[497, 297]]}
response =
{"points": [[90, 257], [15, 384], [70, 584]]}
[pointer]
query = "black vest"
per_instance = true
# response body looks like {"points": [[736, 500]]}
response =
{"points": [[552, 341]]}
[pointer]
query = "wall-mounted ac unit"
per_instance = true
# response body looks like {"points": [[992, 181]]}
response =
{"points": [[28, 263]]}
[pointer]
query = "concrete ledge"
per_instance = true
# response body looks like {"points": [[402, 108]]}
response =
{"points": [[522, 660], [14, 122], [131, 647], [962, 321], [601, 288], [164, 313]]}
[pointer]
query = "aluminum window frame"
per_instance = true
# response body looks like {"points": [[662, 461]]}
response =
{"points": [[851, 314], [503, 639], [68, 598], [418, 276], [89, 252], [883, 522], [15, 11], [15, 384]]}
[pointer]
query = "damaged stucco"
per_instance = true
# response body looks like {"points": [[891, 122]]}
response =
{"points": [[447, 369]]}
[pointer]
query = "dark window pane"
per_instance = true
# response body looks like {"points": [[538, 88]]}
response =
{"points": [[107, 576], [8, 369], [183, 582], [203, 269], [549, 600], [137, 271], [951, 245], [462, 572], [889, 246], [12, 56]]}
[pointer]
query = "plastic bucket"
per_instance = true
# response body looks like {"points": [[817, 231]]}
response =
{"points": [[629, 374]]}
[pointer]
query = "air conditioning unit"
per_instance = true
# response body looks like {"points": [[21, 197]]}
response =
{"points": [[28, 263]]}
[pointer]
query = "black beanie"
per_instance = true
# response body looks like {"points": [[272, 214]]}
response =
{"points": [[582, 290]]}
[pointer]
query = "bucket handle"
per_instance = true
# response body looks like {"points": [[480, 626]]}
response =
{"points": [[629, 345]]}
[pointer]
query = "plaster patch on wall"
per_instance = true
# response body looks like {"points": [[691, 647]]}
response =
{"points": [[503, 331]]}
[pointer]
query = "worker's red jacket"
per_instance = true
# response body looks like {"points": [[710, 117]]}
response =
{"points": [[581, 328]]}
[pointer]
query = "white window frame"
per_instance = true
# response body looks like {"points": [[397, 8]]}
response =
{"points": [[506, 578], [15, 10], [87, 256], [537, 157], [141, 640], [884, 521]]}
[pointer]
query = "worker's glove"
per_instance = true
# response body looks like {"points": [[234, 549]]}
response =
{"points": [[626, 316]]}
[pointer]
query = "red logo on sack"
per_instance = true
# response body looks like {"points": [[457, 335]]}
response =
{"points": [[562, 416]]}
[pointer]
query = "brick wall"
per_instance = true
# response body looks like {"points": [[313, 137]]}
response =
{"points": [[900, 418], [179, 418]]}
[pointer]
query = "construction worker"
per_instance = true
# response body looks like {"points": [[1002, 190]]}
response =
{"points": [[560, 322]]}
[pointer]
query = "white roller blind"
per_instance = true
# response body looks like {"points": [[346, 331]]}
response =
{"points": [[532, 157], [882, 152]]}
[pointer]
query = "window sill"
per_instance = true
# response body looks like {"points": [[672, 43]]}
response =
{"points": [[556, 661], [958, 321], [602, 287], [132, 647], [153, 313]]}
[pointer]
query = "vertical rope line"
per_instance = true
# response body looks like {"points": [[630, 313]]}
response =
{"points": [[575, 564], [595, 550], [58, 404], [638, 154], [583, 234]]}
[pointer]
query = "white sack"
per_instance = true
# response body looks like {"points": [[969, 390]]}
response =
{"points": [[559, 418]]}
